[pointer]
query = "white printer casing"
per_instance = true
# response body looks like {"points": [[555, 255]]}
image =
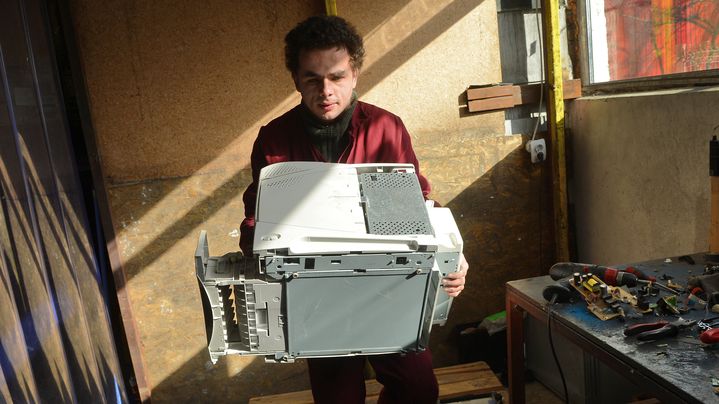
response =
{"points": [[348, 260]]}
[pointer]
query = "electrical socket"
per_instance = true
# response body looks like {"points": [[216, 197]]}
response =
{"points": [[537, 149]]}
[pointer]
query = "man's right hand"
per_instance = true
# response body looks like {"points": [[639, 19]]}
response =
{"points": [[453, 283]]}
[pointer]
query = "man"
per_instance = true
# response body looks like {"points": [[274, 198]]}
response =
{"points": [[324, 54]]}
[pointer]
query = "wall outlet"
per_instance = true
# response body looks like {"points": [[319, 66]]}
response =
{"points": [[537, 149]]}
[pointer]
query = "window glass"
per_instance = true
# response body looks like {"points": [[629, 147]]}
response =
{"points": [[631, 39]]}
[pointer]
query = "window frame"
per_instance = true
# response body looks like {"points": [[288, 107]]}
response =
{"points": [[666, 81]]}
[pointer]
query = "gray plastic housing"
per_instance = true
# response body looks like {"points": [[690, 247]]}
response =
{"points": [[286, 305]]}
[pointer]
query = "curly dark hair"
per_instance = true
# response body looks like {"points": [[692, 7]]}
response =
{"points": [[323, 32]]}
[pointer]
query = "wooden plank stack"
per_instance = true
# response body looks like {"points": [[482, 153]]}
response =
{"points": [[503, 96]]}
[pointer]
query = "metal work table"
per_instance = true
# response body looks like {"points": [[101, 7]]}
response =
{"points": [[677, 369]]}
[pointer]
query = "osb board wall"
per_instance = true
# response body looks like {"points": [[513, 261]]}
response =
{"points": [[178, 92], [501, 202], [179, 88], [640, 174], [173, 84]]}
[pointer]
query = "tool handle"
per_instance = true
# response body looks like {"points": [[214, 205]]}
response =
{"points": [[710, 336], [559, 292], [615, 277], [666, 331], [644, 327], [562, 270], [565, 269], [625, 278], [639, 274]]}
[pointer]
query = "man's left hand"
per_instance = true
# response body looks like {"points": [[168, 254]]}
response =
{"points": [[454, 282]]}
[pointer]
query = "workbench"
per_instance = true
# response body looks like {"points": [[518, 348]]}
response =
{"points": [[676, 369]]}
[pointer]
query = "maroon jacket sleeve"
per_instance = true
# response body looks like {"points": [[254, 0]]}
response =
{"points": [[247, 228], [409, 156]]}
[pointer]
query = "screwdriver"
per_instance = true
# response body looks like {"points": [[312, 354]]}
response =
{"points": [[640, 274], [564, 269], [610, 276]]}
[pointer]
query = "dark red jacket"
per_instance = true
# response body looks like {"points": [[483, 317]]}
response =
{"points": [[376, 136]]}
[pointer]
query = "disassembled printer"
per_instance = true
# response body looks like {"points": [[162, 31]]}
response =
{"points": [[348, 260]]}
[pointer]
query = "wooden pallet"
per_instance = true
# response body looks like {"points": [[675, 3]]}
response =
{"points": [[454, 381]]}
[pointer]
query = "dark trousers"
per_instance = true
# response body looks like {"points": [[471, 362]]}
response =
{"points": [[407, 378]]}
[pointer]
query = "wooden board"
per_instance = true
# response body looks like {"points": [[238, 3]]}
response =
{"points": [[490, 91], [454, 381], [491, 104], [507, 96]]}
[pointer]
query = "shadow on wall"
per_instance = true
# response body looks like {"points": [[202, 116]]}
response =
{"points": [[198, 381], [174, 120], [187, 224], [414, 43]]}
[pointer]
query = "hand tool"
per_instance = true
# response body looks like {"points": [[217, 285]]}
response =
{"points": [[558, 292], [564, 269], [708, 324], [709, 335], [640, 274], [610, 276], [657, 330]]}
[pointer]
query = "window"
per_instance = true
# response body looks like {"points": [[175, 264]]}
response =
{"points": [[631, 39]]}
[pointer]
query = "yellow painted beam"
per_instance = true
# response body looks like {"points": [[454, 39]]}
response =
{"points": [[555, 117], [331, 7]]}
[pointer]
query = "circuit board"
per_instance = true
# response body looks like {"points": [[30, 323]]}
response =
{"points": [[605, 301]]}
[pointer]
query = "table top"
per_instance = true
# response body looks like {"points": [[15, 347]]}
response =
{"points": [[682, 364]]}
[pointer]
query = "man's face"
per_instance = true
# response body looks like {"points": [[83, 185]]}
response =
{"points": [[325, 78]]}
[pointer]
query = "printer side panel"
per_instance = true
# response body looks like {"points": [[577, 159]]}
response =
{"points": [[355, 314]]}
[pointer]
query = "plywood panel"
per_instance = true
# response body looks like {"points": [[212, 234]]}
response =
{"points": [[422, 57], [640, 181], [501, 202], [173, 83]]}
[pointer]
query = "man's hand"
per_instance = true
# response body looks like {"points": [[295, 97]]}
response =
{"points": [[454, 282]]}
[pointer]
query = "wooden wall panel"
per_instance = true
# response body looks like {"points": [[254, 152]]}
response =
{"points": [[502, 205], [171, 83], [640, 174]]}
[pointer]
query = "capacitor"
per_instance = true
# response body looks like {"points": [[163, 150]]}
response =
{"points": [[603, 290]]}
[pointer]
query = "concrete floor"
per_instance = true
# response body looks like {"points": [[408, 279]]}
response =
{"points": [[535, 393]]}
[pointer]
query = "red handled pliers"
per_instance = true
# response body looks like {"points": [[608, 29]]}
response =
{"points": [[657, 330], [710, 334]]}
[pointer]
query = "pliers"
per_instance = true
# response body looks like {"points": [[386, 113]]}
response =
{"points": [[710, 334], [657, 330]]}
